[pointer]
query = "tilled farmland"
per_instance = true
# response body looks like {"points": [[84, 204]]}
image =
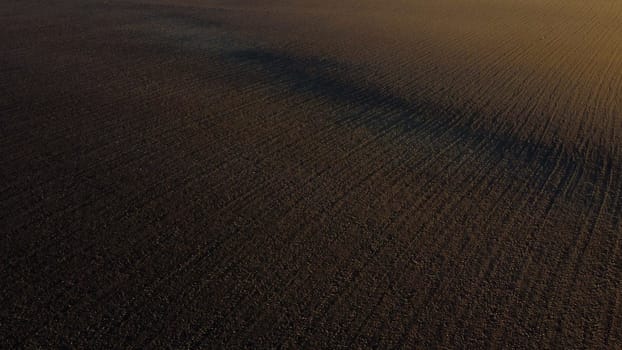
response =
{"points": [[311, 174]]}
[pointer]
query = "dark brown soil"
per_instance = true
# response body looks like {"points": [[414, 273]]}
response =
{"points": [[310, 174]]}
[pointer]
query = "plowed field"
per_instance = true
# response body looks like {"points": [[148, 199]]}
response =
{"points": [[311, 174]]}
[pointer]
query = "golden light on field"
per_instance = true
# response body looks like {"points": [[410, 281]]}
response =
{"points": [[311, 174]]}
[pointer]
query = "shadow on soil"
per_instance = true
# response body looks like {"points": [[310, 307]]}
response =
{"points": [[379, 109]]}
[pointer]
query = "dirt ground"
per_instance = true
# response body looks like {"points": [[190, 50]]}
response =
{"points": [[311, 174]]}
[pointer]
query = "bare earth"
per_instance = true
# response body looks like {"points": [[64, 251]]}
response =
{"points": [[311, 174]]}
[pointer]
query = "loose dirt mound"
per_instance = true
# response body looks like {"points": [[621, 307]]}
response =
{"points": [[258, 174]]}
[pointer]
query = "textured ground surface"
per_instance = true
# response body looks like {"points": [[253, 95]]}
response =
{"points": [[241, 173]]}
